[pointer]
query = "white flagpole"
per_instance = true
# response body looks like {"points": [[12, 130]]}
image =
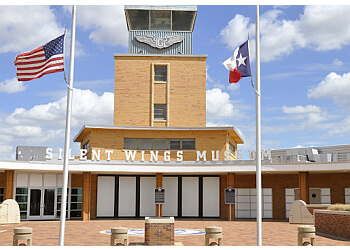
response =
{"points": [[258, 134], [67, 136]]}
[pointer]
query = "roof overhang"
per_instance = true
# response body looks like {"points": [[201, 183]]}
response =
{"points": [[88, 128]]}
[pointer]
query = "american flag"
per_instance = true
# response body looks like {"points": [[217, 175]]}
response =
{"points": [[41, 61]]}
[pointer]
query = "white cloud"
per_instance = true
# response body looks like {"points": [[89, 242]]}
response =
{"points": [[311, 115], [219, 105], [337, 62], [12, 86], [318, 27], [334, 86], [342, 128], [27, 27], [301, 109], [106, 24], [87, 107]]}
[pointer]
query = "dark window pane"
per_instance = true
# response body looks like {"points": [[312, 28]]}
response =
{"points": [[21, 198], [160, 73], [160, 19], [21, 190], [77, 191], [139, 19], [188, 144], [130, 143], [1, 190], [159, 143], [174, 144], [22, 207], [1, 198], [23, 215], [145, 143], [75, 214], [182, 20], [76, 199], [160, 111]]}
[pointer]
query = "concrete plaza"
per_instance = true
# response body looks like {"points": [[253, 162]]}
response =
{"points": [[235, 233]]}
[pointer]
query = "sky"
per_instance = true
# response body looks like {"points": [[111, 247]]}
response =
{"points": [[305, 73]]}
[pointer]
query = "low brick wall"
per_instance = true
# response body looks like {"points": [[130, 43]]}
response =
{"points": [[159, 231], [312, 207], [333, 223]]}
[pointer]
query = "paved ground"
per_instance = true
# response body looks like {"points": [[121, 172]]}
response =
{"points": [[235, 233]]}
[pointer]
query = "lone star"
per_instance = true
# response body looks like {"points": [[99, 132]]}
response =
{"points": [[241, 60]]}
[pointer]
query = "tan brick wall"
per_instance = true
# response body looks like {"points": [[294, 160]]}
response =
{"points": [[132, 105], [104, 139], [336, 225]]}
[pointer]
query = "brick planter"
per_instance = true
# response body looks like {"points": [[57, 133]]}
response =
{"points": [[159, 231], [333, 223]]}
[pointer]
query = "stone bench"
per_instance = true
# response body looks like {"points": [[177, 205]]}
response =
{"points": [[213, 232], [22, 233], [120, 233]]}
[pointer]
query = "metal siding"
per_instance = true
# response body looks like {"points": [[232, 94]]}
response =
{"points": [[184, 47]]}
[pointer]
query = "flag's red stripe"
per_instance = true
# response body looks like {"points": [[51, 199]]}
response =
{"points": [[42, 69], [20, 61], [31, 52], [39, 61], [234, 76], [38, 76]]}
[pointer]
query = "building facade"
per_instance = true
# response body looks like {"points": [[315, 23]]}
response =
{"points": [[159, 138]]}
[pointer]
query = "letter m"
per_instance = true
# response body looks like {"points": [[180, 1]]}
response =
{"points": [[202, 155]]}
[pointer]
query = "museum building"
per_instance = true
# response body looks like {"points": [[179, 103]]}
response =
{"points": [[159, 138]]}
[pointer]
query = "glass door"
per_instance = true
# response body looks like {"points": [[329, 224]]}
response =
{"points": [[35, 203], [49, 203], [41, 203]]}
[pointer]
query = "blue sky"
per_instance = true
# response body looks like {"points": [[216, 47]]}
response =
{"points": [[305, 76]]}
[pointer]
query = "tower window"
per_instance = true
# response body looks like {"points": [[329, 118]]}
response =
{"points": [[160, 111], [160, 73]]}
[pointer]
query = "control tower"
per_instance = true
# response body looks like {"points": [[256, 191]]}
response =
{"points": [[160, 29]]}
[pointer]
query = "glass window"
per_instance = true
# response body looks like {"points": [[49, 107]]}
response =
{"points": [[182, 20], [160, 111], [159, 143], [160, 73], [22, 199], [232, 148], [160, 19], [188, 144], [139, 19], [130, 143], [75, 204], [1, 194], [59, 198], [87, 146], [145, 143], [174, 144]]}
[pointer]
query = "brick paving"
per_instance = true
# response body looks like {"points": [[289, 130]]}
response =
{"points": [[235, 233]]}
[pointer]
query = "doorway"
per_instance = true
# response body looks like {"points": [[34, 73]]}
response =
{"points": [[42, 203]]}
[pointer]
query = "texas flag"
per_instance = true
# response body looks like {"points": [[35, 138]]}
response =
{"points": [[238, 64]]}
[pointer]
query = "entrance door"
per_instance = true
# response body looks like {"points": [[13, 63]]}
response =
{"points": [[41, 203]]}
